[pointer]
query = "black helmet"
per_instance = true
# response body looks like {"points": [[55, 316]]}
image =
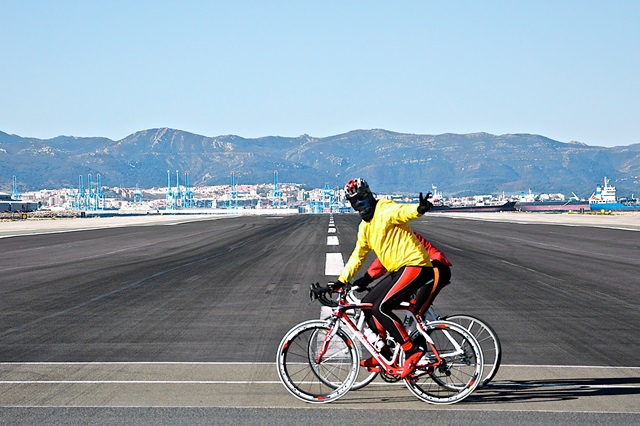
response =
{"points": [[361, 198]]}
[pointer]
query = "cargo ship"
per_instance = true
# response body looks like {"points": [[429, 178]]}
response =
{"points": [[505, 206], [531, 203], [604, 199], [484, 206], [553, 206]]}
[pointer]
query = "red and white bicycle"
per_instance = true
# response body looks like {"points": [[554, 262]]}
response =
{"points": [[317, 360]]}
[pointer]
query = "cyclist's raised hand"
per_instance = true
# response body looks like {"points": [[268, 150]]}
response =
{"points": [[425, 204]]}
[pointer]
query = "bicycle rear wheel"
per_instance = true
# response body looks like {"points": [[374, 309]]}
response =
{"points": [[460, 372], [488, 340], [309, 376]]}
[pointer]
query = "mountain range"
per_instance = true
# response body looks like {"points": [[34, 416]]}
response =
{"points": [[458, 164]]}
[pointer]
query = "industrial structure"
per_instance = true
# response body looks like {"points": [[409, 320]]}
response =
{"points": [[177, 198], [15, 195], [233, 193], [92, 198], [137, 196], [187, 196], [13, 203], [276, 195]]}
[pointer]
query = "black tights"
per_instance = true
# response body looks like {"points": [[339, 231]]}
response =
{"points": [[387, 295], [427, 293]]}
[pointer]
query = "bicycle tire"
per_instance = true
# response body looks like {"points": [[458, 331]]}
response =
{"points": [[488, 340], [298, 370], [460, 374]]}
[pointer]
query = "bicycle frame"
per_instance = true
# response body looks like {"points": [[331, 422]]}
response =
{"points": [[390, 367]]}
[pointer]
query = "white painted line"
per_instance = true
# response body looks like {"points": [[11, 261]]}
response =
{"points": [[273, 382], [271, 363], [136, 382], [334, 264], [332, 240], [161, 382], [332, 230], [88, 363]]}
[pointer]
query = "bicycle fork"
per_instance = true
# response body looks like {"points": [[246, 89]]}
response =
{"points": [[333, 329]]}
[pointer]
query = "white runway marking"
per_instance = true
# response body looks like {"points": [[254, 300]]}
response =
{"points": [[332, 240], [269, 382], [334, 264], [137, 382], [561, 383]]}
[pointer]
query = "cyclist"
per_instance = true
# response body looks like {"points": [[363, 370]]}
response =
{"points": [[425, 295], [385, 230]]}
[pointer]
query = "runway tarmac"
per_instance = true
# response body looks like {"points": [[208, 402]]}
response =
{"points": [[627, 220], [177, 321]]}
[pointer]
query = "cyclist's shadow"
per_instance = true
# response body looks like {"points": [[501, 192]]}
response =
{"points": [[512, 391]]}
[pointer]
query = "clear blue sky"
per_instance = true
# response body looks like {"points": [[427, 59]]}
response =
{"points": [[568, 70]]}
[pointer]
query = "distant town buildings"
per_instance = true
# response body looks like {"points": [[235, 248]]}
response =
{"points": [[233, 196], [260, 196]]}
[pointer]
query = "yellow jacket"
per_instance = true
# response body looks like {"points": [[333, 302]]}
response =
{"points": [[389, 236]]}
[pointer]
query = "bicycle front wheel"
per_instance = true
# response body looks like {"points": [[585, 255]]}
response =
{"points": [[488, 340], [364, 376], [459, 373], [314, 365]]}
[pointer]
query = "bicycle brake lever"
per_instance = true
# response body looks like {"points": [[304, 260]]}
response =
{"points": [[313, 291]]}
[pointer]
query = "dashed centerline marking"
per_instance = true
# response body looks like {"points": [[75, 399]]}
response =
{"points": [[334, 264], [334, 261]]}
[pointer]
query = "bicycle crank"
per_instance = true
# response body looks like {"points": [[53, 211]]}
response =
{"points": [[389, 378]]}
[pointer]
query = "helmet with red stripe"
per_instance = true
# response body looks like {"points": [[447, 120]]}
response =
{"points": [[361, 198], [356, 186]]}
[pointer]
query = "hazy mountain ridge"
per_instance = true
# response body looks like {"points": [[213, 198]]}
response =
{"points": [[459, 164]]}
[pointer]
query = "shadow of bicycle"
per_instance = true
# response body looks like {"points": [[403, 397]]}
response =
{"points": [[507, 391]]}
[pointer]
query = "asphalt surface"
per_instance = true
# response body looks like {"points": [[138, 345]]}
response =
{"points": [[178, 322]]}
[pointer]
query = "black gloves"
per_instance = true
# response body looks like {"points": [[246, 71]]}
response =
{"points": [[316, 291], [361, 283], [425, 204], [323, 294]]}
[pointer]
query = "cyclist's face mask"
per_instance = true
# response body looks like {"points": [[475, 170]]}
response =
{"points": [[365, 204]]}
